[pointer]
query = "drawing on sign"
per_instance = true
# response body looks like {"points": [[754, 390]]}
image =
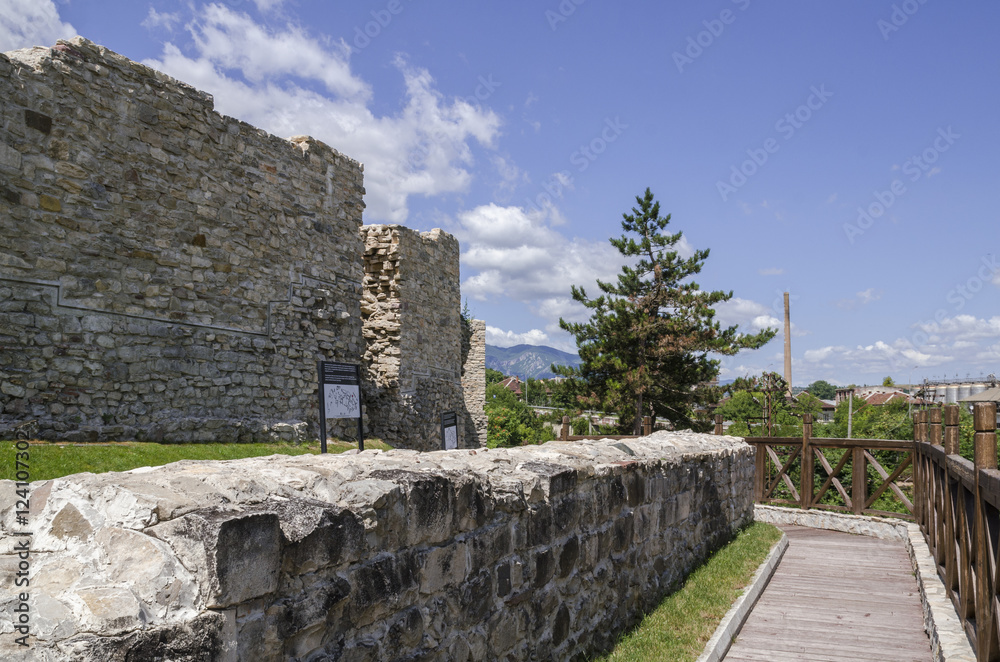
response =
{"points": [[341, 401], [450, 438]]}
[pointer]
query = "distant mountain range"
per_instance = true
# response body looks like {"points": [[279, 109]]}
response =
{"points": [[527, 361]]}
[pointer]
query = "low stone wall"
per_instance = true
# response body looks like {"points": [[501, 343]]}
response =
{"points": [[539, 553]]}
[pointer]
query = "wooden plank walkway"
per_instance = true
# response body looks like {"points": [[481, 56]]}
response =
{"points": [[836, 597]]}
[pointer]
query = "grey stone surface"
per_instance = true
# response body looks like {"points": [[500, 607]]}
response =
{"points": [[949, 642], [171, 274], [418, 356], [883, 528], [535, 553]]}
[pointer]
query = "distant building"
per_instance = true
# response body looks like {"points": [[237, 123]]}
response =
{"points": [[878, 395], [513, 384]]}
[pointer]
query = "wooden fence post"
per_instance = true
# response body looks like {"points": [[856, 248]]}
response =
{"points": [[859, 480], [564, 433], [934, 426], [985, 422], [760, 472], [951, 431], [718, 424], [949, 558], [647, 426], [806, 471]]}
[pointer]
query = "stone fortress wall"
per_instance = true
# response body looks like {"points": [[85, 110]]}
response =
{"points": [[169, 273], [537, 553], [413, 334]]}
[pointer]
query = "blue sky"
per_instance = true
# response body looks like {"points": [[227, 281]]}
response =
{"points": [[843, 151]]}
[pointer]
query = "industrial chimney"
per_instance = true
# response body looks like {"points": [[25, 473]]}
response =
{"points": [[788, 348]]}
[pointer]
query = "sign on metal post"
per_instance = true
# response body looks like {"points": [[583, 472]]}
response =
{"points": [[339, 397], [449, 430]]}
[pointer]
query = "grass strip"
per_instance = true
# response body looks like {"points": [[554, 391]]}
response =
{"points": [[49, 460], [684, 622]]}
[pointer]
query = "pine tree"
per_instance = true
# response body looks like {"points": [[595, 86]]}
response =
{"points": [[647, 347]]}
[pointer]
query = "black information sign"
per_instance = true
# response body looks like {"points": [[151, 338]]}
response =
{"points": [[449, 430], [339, 397]]}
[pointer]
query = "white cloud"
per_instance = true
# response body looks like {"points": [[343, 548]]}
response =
{"points": [[869, 295], [862, 298], [520, 256], [288, 82], [749, 315], [156, 19], [831, 199], [27, 23], [961, 328], [500, 338]]}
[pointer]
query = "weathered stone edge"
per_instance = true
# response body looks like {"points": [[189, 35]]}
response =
{"points": [[882, 528], [948, 640], [733, 621]]}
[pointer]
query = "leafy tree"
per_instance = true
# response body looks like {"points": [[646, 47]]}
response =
{"points": [[750, 397], [537, 391], [822, 389], [511, 422], [888, 382], [493, 376], [647, 347], [807, 403]]}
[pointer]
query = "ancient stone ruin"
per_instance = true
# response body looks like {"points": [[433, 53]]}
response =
{"points": [[171, 274], [537, 553]]}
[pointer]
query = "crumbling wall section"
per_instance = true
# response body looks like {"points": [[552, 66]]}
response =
{"points": [[535, 553], [474, 378], [166, 273], [413, 335]]}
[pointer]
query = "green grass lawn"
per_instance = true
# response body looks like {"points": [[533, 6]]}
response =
{"points": [[684, 622], [48, 460]]}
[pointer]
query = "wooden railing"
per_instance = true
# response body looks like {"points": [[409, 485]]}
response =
{"points": [[956, 502], [809, 472], [958, 510]]}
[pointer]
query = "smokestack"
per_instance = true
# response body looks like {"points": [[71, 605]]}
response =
{"points": [[788, 347]]}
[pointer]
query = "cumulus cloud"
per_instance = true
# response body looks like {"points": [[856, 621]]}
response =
{"points": [[26, 23], [501, 338], [520, 256], [284, 80], [750, 316]]}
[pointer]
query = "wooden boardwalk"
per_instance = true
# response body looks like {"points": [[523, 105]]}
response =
{"points": [[837, 597]]}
